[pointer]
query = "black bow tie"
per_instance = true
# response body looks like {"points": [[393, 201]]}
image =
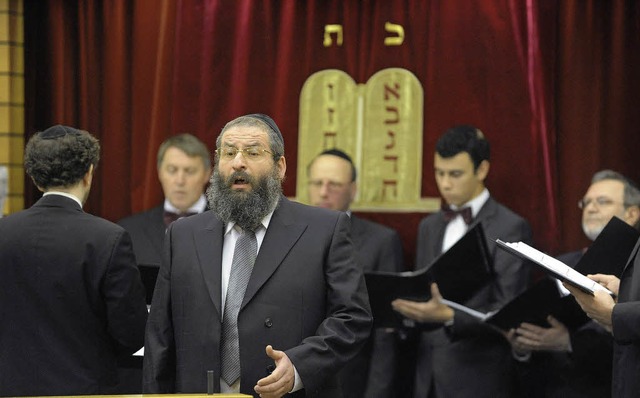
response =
{"points": [[450, 214], [170, 216]]}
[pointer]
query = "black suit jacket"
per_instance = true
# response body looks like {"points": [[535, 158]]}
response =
{"points": [[470, 358], [147, 231], [71, 300], [371, 373], [626, 331], [306, 296], [585, 372]]}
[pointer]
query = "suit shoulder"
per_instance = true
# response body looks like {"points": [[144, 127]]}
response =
{"points": [[430, 219], [508, 214], [309, 211], [371, 226], [142, 217]]}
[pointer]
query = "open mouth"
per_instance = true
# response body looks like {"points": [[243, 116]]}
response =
{"points": [[240, 181]]}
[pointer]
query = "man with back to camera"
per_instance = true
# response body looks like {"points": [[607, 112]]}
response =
{"points": [[332, 185], [263, 292], [184, 168], [577, 363], [70, 292], [466, 358]]}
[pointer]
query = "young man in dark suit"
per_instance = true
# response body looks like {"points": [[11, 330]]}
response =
{"points": [[332, 185], [300, 312], [184, 168], [71, 296], [465, 357]]}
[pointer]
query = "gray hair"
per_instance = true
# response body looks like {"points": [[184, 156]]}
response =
{"points": [[631, 191], [188, 144]]}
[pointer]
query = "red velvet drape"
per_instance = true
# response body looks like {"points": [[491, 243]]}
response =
{"points": [[552, 85]]}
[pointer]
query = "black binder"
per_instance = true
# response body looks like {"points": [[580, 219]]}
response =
{"points": [[459, 272], [149, 274]]}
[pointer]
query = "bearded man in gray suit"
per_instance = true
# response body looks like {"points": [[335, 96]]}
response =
{"points": [[305, 311]]}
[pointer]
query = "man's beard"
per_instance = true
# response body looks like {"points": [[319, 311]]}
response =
{"points": [[247, 209], [592, 232]]}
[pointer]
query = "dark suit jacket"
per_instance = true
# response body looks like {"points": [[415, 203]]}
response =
{"points": [[471, 359], [71, 300], [583, 373], [306, 296], [626, 331], [147, 231], [371, 373]]}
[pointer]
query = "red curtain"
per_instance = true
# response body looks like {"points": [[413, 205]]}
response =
{"points": [[551, 84]]}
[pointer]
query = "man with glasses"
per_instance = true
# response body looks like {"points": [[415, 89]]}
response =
{"points": [[332, 185], [577, 363], [259, 295], [184, 168]]}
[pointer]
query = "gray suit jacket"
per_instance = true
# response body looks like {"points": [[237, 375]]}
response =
{"points": [[626, 331], [471, 359], [306, 296], [71, 301], [371, 373]]}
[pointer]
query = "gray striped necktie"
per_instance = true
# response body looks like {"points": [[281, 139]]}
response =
{"points": [[244, 255]]}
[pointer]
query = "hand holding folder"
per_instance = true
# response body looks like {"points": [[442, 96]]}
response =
{"points": [[459, 272]]}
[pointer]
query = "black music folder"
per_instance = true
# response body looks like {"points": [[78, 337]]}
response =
{"points": [[149, 274], [552, 266], [532, 306], [608, 254], [459, 272]]}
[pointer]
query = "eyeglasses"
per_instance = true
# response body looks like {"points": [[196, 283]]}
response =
{"points": [[331, 185], [600, 201], [252, 153]]}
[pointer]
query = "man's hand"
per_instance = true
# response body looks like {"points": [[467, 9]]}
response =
{"points": [[531, 337], [598, 307], [609, 281], [431, 311], [281, 380]]}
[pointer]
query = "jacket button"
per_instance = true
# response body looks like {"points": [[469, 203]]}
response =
{"points": [[268, 322]]}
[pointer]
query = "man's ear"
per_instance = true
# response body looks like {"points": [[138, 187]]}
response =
{"points": [[88, 176], [483, 170], [632, 215], [281, 164]]}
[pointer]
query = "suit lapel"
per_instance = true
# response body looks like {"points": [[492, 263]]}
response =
{"points": [[632, 257], [436, 244], [283, 232], [208, 242]]}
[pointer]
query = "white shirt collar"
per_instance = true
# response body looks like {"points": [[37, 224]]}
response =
{"points": [[475, 203], [65, 194], [197, 207]]}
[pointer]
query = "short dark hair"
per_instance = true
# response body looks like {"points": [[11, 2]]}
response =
{"points": [[60, 156], [188, 144], [338, 153], [464, 138]]}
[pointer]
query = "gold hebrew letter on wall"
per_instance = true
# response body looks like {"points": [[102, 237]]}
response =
{"points": [[394, 40], [335, 29]]}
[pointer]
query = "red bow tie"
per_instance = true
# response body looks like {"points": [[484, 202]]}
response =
{"points": [[170, 216], [450, 214]]}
